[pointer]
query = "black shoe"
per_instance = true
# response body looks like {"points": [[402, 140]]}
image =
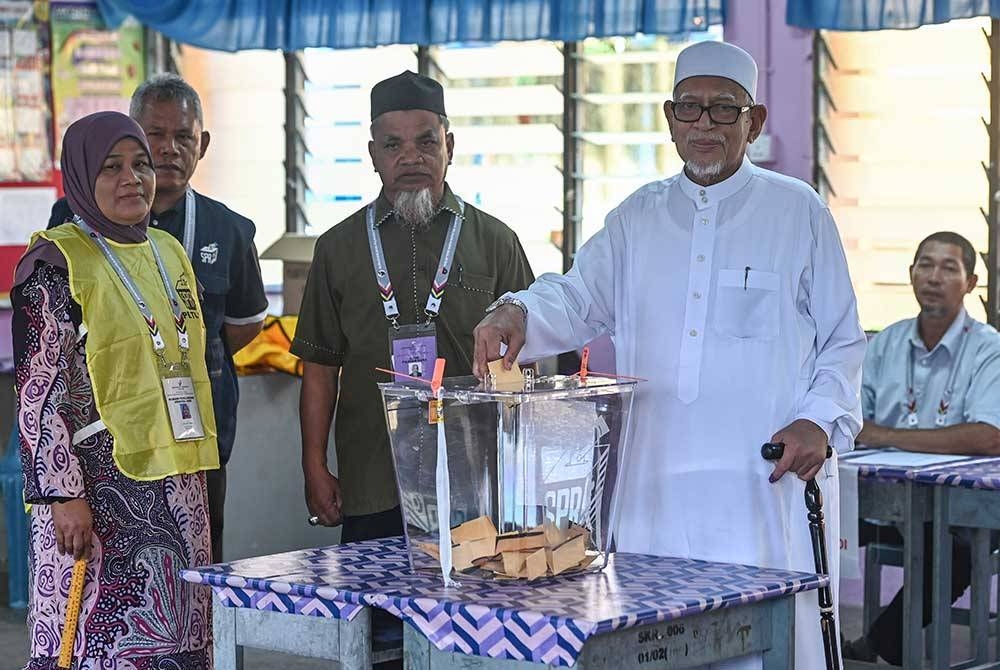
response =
{"points": [[859, 650]]}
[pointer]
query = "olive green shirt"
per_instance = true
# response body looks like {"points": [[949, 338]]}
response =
{"points": [[342, 322]]}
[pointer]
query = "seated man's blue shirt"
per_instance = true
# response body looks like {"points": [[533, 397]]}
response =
{"points": [[975, 397]]}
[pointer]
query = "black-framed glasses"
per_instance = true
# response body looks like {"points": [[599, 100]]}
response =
{"points": [[720, 113]]}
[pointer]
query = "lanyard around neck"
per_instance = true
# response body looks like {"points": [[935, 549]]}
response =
{"points": [[189, 223], [385, 288], [945, 404], [159, 346]]}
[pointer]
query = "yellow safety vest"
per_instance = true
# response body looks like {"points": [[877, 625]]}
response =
{"points": [[124, 370]]}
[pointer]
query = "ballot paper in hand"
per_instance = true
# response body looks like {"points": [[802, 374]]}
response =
{"points": [[511, 379]]}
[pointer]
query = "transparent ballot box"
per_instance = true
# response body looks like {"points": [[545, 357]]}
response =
{"points": [[525, 473]]}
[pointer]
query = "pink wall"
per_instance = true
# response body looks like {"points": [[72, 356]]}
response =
{"points": [[784, 59], [6, 346]]}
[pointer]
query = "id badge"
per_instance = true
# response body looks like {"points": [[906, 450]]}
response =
{"points": [[182, 404], [414, 350]]}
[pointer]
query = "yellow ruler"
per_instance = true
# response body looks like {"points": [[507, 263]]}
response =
{"points": [[72, 613]]}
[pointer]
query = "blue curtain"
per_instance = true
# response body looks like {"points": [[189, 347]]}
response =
{"points": [[881, 14], [231, 25]]}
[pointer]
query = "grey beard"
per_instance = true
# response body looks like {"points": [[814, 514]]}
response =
{"points": [[702, 171], [415, 208]]}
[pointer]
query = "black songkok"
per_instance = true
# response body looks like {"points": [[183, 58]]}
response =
{"points": [[407, 90]]}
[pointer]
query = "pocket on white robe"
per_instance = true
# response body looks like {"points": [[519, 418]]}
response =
{"points": [[746, 304]]}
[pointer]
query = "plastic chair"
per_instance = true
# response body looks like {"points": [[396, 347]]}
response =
{"points": [[12, 491]]}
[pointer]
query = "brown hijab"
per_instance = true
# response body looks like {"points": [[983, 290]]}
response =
{"points": [[86, 144]]}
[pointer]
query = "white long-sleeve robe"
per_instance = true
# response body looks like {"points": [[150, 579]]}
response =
{"points": [[735, 302]]}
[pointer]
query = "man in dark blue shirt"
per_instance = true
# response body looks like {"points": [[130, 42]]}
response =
{"points": [[219, 243]]}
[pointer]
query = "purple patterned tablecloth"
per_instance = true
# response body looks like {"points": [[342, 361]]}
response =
{"points": [[891, 471], [977, 473], [546, 621]]}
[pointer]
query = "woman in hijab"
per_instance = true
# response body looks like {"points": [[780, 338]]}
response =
{"points": [[114, 415]]}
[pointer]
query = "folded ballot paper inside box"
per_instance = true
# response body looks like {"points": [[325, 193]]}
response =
{"points": [[529, 475], [544, 551]]}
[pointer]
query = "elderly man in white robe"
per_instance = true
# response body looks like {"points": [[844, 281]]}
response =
{"points": [[727, 287]]}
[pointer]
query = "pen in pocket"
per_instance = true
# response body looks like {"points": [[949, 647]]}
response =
{"points": [[746, 276]]}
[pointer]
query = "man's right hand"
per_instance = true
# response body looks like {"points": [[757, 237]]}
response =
{"points": [[323, 497], [505, 324]]}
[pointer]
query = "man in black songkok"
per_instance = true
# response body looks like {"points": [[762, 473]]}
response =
{"points": [[347, 328]]}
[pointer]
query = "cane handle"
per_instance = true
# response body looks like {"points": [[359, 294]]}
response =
{"points": [[773, 451]]}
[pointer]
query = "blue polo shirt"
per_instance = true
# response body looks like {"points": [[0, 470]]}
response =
{"points": [[976, 394], [225, 263]]}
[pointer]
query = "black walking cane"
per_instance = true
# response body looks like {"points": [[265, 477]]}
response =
{"points": [[814, 503]]}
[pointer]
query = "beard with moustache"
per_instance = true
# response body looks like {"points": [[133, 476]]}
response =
{"points": [[705, 171], [415, 208]]}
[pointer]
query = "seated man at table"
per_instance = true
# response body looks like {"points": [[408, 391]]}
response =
{"points": [[930, 384]]}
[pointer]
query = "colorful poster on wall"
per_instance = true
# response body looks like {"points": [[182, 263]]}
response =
{"points": [[25, 119], [93, 68]]}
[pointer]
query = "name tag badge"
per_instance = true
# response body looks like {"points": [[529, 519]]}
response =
{"points": [[414, 350], [182, 404]]}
